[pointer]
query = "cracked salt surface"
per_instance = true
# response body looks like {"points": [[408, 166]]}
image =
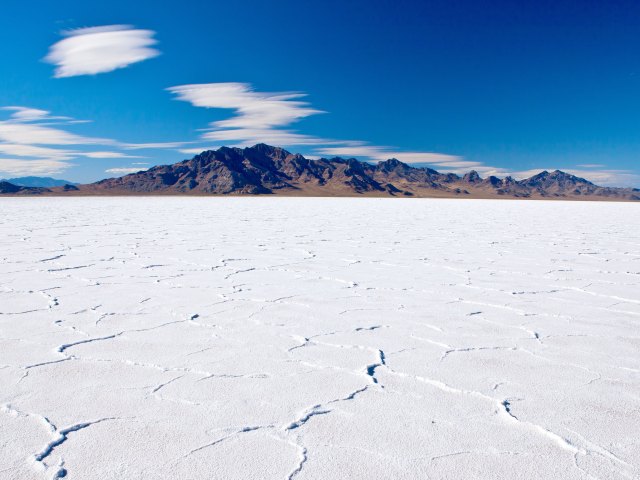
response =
{"points": [[252, 338]]}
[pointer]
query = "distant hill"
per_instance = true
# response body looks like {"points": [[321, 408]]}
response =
{"points": [[45, 182], [263, 169], [12, 189]]}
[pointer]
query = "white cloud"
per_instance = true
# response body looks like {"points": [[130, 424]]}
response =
{"points": [[44, 149], [251, 136], [108, 155], [143, 146], [26, 114], [21, 167], [89, 51], [36, 115], [21, 150], [529, 173], [253, 110], [123, 170], [259, 117], [196, 151], [367, 151], [34, 134]]}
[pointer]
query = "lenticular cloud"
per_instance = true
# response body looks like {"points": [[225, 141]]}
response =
{"points": [[89, 51]]}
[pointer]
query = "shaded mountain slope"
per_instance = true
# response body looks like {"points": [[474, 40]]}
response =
{"points": [[11, 189]]}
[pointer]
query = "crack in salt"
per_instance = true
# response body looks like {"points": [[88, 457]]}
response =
{"points": [[59, 436], [503, 408]]}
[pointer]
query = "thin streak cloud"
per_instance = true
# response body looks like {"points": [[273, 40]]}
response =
{"points": [[19, 167], [35, 143], [258, 117], [124, 170]]}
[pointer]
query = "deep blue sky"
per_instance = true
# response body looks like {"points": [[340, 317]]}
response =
{"points": [[511, 85]]}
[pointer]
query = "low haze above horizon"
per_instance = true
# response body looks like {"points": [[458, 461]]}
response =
{"points": [[90, 91]]}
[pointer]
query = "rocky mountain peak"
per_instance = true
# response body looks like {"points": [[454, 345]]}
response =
{"points": [[393, 164], [471, 177]]}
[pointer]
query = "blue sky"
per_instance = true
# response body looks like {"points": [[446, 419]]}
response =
{"points": [[90, 90]]}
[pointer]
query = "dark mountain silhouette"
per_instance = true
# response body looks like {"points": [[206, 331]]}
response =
{"points": [[263, 169], [10, 188]]}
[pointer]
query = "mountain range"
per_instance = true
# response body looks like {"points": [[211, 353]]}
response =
{"points": [[37, 182], [263, 169]]}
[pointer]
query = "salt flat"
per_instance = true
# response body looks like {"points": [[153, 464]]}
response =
{"points": [[259, 338]]}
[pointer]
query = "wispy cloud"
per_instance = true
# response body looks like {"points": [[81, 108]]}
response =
{"points": [[35, 142], [251, 136], [19, 167], [252, 109], [93, 50], [20, 150], [196, 151], [26, 114], [257, 116], [123, 170], [108, 155], [31, 134], [145, 146], [31, 126]]}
